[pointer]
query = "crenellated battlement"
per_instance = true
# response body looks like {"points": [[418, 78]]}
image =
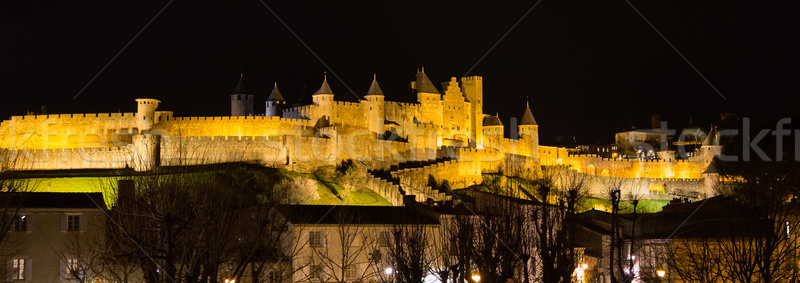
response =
{"points": [[347, 103], [72, 116]]}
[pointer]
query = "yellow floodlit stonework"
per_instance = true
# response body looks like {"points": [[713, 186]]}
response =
{"points": [[445, 127]]}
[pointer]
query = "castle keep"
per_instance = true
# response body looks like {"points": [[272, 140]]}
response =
{"points": [[442, 135]]}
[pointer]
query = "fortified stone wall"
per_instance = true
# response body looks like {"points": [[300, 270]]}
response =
{"points": [[457, 173], [644, 188], [232, 126], [351, 113], [68, 158], [66, 130], [399, 117]]}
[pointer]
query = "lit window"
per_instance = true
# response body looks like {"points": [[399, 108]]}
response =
{"points": [[315, 239], [73, 222], [17, 269], [20, 223], [350, 272], [71, 269]]}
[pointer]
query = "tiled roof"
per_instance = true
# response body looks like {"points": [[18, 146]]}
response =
{"points": [[492, 120], [276, 94], [340, 214], [240, 85], [424, 84], [325, 88], [527, 117], [374, 88]]}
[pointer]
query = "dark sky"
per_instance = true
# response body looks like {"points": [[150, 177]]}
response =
{"points": [[590, 68]]}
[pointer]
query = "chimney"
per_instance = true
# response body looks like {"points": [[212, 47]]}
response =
{"points": [[656, 120]]}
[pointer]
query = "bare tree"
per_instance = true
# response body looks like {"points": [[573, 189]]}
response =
{"points": [[345, 255], [267, 242], [177, 225], [556, 224], [748, 232], [410, 251]]}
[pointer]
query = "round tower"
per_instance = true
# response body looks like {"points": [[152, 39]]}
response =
{"points": [[275, 103], [375, 104], [492, 132], [529, 132], [241, 101], [145, 113], [323, 99]]}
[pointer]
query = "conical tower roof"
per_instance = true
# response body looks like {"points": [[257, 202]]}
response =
{"points": [[276, 94], [527, 117], [240, 85], [424, 83], [325, 88], [492, 120], [374, 88]]}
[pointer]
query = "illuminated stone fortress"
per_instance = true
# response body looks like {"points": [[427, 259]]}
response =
{"points": [[443, 135]]}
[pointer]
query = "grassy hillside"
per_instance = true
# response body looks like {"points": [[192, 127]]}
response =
{"points": [[100, 180]]}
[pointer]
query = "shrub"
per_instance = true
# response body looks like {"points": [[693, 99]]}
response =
{"points": [[299, 190]]}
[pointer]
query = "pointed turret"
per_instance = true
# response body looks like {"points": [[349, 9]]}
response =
{"points": [[325, 88], [424, 84], [276, 94], [527, 117], [323, 98], [275, 103], [374, 88], [375, 105], [241, 100], [240, 85], [492, 120]]}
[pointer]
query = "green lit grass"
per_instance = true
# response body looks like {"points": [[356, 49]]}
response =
{"points": [[97, 184], [645, 206]]}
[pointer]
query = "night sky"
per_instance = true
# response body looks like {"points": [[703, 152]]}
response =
{"points": [[590, 68]]}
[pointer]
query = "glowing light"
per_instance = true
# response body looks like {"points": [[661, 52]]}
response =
{"points": [[579, 273], [585, 266], [661, 273], [230, 280], [476, 278], [388, 271]]}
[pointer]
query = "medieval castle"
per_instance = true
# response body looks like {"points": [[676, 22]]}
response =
{"points": [[443, 135]]}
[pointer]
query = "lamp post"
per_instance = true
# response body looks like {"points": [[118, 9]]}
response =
{"points": [[661, 273]]}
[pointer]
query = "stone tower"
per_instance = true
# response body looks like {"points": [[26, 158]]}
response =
{"points": [[323, 99], [375, 114], [429, 98], [529, 132], [275, 102], [492, 130], [145, 113], [473, 91], [241, 101]]}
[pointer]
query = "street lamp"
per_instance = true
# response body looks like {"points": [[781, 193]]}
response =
{"points": [[388, 271], [476, 278], [661, 273]]}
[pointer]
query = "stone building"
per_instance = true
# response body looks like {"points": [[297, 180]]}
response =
{"points": [[52, 237]]}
